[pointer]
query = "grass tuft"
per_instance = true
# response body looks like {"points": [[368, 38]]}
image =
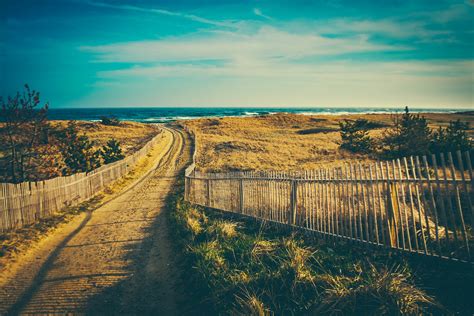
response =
{"points": [[299, 256], [377, 292], [194, 225], [209, 253], [263, 247], [223, 229], [250, 304]]}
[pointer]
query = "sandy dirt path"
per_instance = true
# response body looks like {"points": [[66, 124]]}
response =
{"points": [[117, 259]]}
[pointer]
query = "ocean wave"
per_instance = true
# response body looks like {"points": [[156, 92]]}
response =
{"points": [[388, 111], [250, 114], [167, 119], [164, 115]]}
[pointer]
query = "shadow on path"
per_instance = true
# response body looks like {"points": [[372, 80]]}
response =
{"points": [[38, 280], [154, 286]]}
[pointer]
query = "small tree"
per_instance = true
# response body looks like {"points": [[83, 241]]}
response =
{"points": [[410, 135], [111, 151], [78, 151], [24, 129], [354, 135], [452, 138]]}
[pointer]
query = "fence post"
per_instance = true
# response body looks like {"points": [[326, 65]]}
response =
{"points": [[101, 179], [186, 189], [39, 207], [392, 205], [292, 217], [241, 193], [208, 193]]}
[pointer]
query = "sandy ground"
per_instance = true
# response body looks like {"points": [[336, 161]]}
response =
{"points": [[117, 259]]}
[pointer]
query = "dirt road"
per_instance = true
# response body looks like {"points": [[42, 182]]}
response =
{"points": [[117, 259]]}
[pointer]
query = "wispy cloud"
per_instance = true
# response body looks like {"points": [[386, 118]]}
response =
{"points": [[279, 52], [452, 13], [265, 43], [190, 17], [311, 58], [387, 27], [259, 13], [341, 71], [424, 26], [340, 83]]}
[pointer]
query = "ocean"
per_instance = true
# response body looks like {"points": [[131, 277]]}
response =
{"points": [[162, 114]]}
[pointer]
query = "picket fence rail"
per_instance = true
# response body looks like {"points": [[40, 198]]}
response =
{"points": [[421, 205], [27, 202]]}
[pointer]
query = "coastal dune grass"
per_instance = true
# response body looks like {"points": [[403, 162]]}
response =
{"points": [[284, 142], [131, 135], [243, 267]]}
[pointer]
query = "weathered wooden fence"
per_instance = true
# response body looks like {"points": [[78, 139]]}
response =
{"points": [[417, 204], [27, 202]]}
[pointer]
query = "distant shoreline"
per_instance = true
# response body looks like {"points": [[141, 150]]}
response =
{"points": [[164, 115]]}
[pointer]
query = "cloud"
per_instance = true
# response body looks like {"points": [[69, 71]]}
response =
{"points": [[452, 13], [265, 43], [341, 71], [259, 13], [273, 62], [387, 27], [341, 83], [431, 25], [191, 17]]}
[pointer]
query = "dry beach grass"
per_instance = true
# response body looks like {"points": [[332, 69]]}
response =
{"points": [[131, 135], [285, 141]]}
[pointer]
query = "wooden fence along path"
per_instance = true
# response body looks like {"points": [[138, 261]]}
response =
{"points": [[27, 202], [417, 204]]}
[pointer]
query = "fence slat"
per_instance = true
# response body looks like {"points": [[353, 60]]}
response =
{"points": [[412, 204], [448, 199], [458, 204], [464, 185], [433, 204]]}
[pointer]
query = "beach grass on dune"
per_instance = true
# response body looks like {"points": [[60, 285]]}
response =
{"points": [[131, 135], [287, 141]]}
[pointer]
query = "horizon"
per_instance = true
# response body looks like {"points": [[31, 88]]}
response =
{"points": [[260, 54], [295, 107]]}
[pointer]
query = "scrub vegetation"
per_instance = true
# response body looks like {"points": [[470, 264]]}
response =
{"points": [[409, 135]]}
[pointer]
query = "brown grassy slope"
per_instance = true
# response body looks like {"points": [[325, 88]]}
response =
{"points": [[284, 141], [131, 135]]}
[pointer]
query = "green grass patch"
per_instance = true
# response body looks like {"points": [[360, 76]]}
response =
{"points": [[243, 267]]}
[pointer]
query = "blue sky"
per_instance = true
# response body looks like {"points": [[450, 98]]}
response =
{"points": [[240, 53]]}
